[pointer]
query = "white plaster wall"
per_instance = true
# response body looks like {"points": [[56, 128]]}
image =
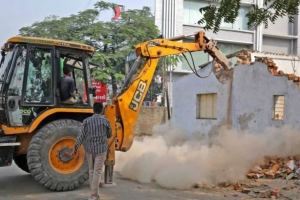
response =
{"points": [[280, 27], [253, 88], [179, 17], [253, 92], [184, 102]]}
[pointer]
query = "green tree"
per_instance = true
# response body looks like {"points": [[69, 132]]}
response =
{"points": [[113, 40], [227, 11]]}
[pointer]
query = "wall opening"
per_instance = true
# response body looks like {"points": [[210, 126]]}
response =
{"points": [[206, 106], [278, 107]]}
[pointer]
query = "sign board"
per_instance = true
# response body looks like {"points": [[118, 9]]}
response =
{"points": [[101, 91]]}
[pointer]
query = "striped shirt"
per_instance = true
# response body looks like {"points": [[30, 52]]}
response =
{"points": [[95, 131]]}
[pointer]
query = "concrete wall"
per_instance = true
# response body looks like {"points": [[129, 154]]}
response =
{"points": [[252, 99], [277, 45], [281, 27], [184, 102], [287, 64], [148, 118], [246, 103]]}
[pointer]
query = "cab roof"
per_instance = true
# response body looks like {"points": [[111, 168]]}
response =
{"points": [[51, 42]]}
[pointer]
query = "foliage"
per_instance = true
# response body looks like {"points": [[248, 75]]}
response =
{"points": [[170, 62], [113, 40], [227, 11]]}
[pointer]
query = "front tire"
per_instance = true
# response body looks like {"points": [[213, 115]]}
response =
{"points": [[46, 160]]}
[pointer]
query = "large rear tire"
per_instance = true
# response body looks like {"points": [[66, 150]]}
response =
{"points": [[21, 162], [46, 159]]}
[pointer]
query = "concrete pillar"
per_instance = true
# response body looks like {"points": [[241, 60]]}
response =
{"points": [[297, 33], [258, 35], [169, 17], [158, 14]]}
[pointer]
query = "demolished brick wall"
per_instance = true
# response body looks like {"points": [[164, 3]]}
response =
{"points": [[244, 57]]}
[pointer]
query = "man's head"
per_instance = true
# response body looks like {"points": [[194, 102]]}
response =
{"points": [[98, 107], [67, 70]]}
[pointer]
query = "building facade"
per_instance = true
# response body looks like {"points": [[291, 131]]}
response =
{"points": [[251, 98], [180, 17]]}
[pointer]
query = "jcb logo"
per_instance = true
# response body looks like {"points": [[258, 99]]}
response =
{"points": [[138, 95]]}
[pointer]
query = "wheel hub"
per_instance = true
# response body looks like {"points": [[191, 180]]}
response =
{"points": [[59, 159], [63, 154]]}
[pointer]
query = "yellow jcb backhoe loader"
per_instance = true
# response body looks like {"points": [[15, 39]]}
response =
{"points": [[37, 128]]}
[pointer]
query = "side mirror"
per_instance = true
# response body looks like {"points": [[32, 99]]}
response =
{"points": [[92, 91]]}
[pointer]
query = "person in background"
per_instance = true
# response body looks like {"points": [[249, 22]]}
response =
{"points": [[94, 136], [67, 87]]}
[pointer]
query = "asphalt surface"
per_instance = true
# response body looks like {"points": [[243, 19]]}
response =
{"points": [[16, 185]]}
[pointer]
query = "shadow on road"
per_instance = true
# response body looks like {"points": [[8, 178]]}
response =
{"points": [[20, 184]]}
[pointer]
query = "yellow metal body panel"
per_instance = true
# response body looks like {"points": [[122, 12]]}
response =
{"points": [[110, 113], [136, 92], [163, 48], [8, 130], [51, 42]]}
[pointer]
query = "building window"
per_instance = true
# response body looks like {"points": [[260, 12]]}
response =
{"points": [[229, 48], [207, 106], [192, 15], [191, 11], [278, 108]]}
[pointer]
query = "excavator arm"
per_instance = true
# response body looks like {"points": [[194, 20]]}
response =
{"points": [[123, 112], [164, 47]]}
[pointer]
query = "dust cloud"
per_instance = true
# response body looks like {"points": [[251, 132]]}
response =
{"points": [[174, 160]]}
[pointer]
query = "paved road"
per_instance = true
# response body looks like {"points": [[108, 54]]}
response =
{"points": [[18, 185]]}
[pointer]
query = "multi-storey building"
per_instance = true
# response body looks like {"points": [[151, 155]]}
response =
{"points": [[180, 17]]}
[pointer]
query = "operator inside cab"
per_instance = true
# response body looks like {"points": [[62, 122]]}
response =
{"points": [[67, 87]]}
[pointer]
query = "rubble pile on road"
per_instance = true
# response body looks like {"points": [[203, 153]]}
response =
{"points": [[271, 167], [276, 167], [257, 190]]}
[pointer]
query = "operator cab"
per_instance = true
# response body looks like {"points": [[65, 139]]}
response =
{"points": [[31, 70]]}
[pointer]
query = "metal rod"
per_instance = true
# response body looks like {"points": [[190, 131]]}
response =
{"points": [[10, 144]]}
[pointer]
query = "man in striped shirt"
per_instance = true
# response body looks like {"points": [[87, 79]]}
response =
{"points": [[94, 134]]}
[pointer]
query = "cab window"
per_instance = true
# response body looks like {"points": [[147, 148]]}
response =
{"points": [[75, 64], [15, 87], [38, 87]]}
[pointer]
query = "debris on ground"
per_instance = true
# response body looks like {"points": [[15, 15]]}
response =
{"points": [[276, 167], [285, 169], [262, 191], [255, 189]]}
